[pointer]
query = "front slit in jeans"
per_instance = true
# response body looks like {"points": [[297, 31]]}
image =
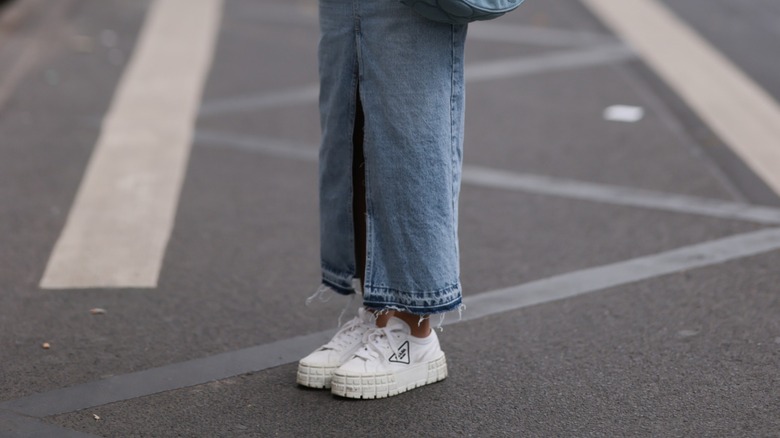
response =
{"points": [[359, 191], [390, 157]]}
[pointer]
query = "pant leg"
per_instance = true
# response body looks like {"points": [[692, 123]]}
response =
{"points": [[410, 74], [338, 69]]}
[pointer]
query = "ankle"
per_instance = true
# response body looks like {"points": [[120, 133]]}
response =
{"points": [[420, 326]]}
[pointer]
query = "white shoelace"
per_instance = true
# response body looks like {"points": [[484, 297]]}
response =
{"points": [[346, 336], [378, 342]]}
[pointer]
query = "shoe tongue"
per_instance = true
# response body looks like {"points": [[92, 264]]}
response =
{"points": [[394, 324], [364, 314]]}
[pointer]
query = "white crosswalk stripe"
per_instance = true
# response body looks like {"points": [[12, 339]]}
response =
{"points": [[121, 220], [742, 113]]}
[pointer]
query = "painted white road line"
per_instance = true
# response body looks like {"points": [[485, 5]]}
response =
{"points": [[496, 31], [275, 99], [548, 62], [480, 30], [477, 72], [277, 148], [617, 274], [121, 220], [258, 358], [744, 115], [617, 195], [529, 183]]}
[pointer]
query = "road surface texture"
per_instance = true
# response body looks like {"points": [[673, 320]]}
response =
{"points": [[158, 224]]}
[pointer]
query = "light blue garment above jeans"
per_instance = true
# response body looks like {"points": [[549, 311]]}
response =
{"points": [[409, 71]]}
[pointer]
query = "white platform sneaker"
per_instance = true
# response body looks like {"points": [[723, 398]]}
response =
{"points": [[316, 369], [390, 362]]}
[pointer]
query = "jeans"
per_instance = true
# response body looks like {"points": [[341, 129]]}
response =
{"points": [[407, 73]]}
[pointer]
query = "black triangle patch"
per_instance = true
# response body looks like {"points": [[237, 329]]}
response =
{"points": [[402, 355]]}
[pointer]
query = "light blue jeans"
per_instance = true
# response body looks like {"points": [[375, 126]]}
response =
{"points": [[408, 72]]}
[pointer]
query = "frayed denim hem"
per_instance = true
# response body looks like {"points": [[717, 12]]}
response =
{"points": [[341, 283], [421, 311], [339, 289], [326, 291], [417, 303], [460, 307]]}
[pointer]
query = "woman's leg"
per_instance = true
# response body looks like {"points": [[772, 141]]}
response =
{"points": [[411, 89], [342, 198], [410, 77], [420, 328], [359, 192]]}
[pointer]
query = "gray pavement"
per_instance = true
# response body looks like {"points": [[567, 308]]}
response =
{"points": [[691, 350]]}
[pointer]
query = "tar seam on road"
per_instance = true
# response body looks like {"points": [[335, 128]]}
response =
{"points": [[220, 366], [123, 214], [484, 71], [17, 425], [537, 184], [166, 378], [737, 109]]}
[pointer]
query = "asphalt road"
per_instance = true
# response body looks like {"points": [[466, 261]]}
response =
{"points": [[621, 278]]}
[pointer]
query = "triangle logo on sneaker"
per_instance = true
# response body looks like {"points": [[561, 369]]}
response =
{"points": [[402, 355]]}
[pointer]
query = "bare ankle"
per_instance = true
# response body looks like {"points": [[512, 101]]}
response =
{"points": [[420, 326]]}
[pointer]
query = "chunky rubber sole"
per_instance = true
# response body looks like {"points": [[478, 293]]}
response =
{"points": [[314, 376], [368, 386]]}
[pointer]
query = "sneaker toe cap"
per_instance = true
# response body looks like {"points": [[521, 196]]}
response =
{"points": [[322, 358], [356, 366]]}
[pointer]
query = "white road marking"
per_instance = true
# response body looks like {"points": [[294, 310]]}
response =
{"points": [[120, 223], [533, 35], [298, 95], [548, 62], [483, 71], [617, 195], [744, 115], [261, 357], [617, 274], [277, 148], [529, 183], [624, 113], [481, 30]]}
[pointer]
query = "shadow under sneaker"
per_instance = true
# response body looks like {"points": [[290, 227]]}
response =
{"points": [[316, 369], [391, 361]]}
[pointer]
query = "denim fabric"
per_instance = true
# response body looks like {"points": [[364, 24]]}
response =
{"points": [[409, 71]]}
